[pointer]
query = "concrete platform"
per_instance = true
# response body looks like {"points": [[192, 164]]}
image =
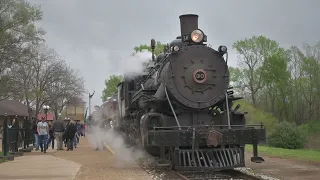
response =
{"points": [[39, 167], [50, 151]]}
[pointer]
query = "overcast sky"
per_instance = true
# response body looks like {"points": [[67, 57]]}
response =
{"points": [[92, 35]]}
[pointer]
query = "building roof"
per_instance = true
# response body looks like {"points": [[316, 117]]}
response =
{"points": [[76, 101], [49, 116], [13, 108]]}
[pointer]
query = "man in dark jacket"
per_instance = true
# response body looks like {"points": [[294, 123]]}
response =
{"points": [[58, 128], [70, 134], [51, 137]]}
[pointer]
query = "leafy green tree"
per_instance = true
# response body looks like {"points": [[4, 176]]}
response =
{"points": [[237, 80], [17, 28], [275, 78], [311, 88], [253, 51], [17, 33], [111, 86]]}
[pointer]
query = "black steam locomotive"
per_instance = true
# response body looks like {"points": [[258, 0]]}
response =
{"points": [[180, 110]]}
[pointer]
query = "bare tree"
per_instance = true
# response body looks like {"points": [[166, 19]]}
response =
{"points": [[41, 68], [70, 86], [30, 71]]}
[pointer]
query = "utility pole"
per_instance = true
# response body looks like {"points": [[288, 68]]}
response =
{"points": [[90, 96]]}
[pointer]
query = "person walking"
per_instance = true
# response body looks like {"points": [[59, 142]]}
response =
{"points": [[64, 136], [79, 131], [83, 127], [58, 128], [76, 140], [70, 134], [36, 135], [51, 137], [43, 131]]}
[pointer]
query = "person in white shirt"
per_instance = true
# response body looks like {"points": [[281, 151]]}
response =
{"points": [[43, 131]]}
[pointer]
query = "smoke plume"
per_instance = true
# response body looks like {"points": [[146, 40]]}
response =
{"points": [[100, 133], [100, 136], [133, 64]]}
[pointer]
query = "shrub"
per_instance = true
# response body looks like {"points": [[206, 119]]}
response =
{"points": [[312, 129], [287, 135], [256, 116]]}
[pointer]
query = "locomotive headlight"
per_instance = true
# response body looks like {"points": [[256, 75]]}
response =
{"points": [[197, 36], [222, 49], [176, 48]]}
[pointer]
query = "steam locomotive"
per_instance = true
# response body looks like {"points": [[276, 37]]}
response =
{"points": [[180, 109]]}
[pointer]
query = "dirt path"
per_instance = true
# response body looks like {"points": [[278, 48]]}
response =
{"points": [[285, 169], [102, 165]]}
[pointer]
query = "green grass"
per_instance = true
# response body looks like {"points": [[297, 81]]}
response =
{"points": [[1, 153], [299, 154]]}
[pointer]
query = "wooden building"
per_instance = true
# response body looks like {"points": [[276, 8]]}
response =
{"points": [[75, 110]]}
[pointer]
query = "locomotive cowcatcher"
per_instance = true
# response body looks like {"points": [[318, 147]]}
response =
{"points": [[181, 108]]}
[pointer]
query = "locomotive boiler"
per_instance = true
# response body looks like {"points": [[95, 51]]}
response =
{"points": [[181, 109]]}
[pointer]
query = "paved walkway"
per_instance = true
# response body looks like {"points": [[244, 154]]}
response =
{"points": [[39, 166], [84, 163]]}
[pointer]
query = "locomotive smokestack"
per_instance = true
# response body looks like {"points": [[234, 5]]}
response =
{"points": [[188, 23]]}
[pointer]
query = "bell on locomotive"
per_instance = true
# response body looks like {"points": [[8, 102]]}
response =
{"points": [[184, 114]]}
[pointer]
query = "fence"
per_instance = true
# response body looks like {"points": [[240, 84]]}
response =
{"points": [[16, 139]]}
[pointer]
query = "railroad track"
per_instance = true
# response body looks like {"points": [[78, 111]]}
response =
{"points": [[158, 173], [226, 175]]}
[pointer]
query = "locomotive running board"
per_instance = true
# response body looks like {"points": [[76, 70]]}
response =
{"points": [[209, 159]]}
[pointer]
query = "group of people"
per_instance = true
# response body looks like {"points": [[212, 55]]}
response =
{"points": [[45, 134]]}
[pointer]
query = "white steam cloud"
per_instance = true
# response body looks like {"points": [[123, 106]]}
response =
{"points": [[131, 64], [100, 136]]}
